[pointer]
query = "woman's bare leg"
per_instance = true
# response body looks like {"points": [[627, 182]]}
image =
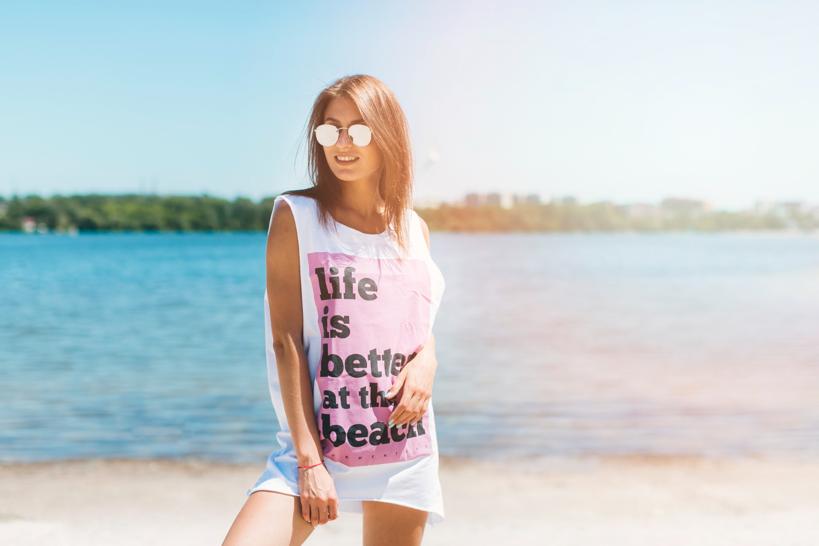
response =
{"points": [[393, 524], [269, 519]]}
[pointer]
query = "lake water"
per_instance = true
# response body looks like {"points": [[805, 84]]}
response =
{"points": [[152, 345]]}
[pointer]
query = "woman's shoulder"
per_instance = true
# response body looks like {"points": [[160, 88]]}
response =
{"points": [[298, 196], [291, 200], [300, 203]]}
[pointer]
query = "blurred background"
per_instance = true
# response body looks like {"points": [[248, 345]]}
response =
{"points": [[623, 198]]}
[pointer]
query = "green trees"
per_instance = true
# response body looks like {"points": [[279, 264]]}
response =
{"points": [[135, 212]]}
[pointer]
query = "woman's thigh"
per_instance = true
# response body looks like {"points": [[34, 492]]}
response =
{"points": [[269, 518], [393, 524]]}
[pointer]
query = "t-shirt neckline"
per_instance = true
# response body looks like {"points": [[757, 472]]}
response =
{"points": [[359, 233], [373, 237]]}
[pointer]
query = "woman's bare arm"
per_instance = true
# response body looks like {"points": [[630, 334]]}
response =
{"points": [[284, 300]]}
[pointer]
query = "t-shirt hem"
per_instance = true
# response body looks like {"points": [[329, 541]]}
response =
{"points": [[350, 505], [434, 516], [276, 485]]}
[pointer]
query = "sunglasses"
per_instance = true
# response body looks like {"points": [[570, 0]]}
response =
{"points": [[327, 134]]}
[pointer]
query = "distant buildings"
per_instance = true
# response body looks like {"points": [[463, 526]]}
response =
{"points": [[503, 200], [791, 214], [684, 206], [670, 205], [474, 199], [786, 209], [641, 211]]}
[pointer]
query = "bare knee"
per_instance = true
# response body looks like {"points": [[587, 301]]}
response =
{"points": [[269, 518]]}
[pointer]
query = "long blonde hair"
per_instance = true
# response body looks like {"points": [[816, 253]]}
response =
{"points": [[381, 112]]}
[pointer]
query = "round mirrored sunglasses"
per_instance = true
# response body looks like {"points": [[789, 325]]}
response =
{"points": [[327, 134]]}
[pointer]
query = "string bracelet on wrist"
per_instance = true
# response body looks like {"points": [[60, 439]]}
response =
{"points": [[312, 465]]}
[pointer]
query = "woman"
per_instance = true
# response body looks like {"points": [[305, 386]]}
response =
{"points": [[352, 294]]}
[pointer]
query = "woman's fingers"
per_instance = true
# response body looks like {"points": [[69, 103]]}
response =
{"points": [[404, 409], [315, 512], [418, 411], [401, 417], [319, 500], [333, 508], [409, 410], [323, 510]]}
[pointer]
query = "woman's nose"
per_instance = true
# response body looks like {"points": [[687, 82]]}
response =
{"points": [[343, 138]]}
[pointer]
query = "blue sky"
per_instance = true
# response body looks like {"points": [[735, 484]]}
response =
{"points": [[628, 101]]}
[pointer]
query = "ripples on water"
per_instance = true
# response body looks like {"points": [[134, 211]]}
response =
{"points": [[151, 345]]}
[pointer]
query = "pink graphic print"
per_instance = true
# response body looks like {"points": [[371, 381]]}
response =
{"points": [[374, 316]]}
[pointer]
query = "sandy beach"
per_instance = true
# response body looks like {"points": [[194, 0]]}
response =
{"points": [[638, 500]]}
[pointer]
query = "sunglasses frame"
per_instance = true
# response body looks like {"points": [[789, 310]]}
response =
{"points": [[338, 134]]}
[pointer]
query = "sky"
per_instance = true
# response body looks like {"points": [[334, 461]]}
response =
{"points": [[624, 101]]}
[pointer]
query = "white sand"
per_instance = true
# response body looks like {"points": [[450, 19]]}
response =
{"points": [[613, 501]]}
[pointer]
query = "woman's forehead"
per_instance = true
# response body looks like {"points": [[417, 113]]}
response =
{"points": [[341, 108]]}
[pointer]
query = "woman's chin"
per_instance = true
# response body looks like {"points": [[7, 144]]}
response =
{"points": [[347, 176]]}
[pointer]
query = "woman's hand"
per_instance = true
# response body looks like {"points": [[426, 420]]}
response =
{"points": [[319, 501], [416, 379]]}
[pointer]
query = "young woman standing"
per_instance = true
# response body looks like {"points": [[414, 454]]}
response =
{"points": [[351, 298]]}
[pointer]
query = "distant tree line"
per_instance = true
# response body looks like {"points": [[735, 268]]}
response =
{"points": [[605, 216], [136, 212], [141, 212]]}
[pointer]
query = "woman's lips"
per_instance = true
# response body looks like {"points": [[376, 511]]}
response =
{"points": [[340, 162]]}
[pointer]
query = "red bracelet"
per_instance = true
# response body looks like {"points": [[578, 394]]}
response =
{"points": [[312, 465]]}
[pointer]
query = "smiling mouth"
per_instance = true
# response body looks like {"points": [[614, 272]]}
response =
{"points": [[345, 159]]}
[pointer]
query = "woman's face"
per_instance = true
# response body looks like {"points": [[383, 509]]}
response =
{"points": [[342, 112]]}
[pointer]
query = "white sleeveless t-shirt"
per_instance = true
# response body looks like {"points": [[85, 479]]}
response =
{"points": [[367, 310]]}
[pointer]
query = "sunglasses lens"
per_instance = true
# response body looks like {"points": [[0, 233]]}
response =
{"points": [[361, 135], [327, 134]]}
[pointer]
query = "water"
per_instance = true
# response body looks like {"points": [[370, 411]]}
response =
{"points": [[152, 345]]}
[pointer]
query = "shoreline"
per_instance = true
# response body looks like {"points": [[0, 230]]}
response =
{"points": [[611, 499]]}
